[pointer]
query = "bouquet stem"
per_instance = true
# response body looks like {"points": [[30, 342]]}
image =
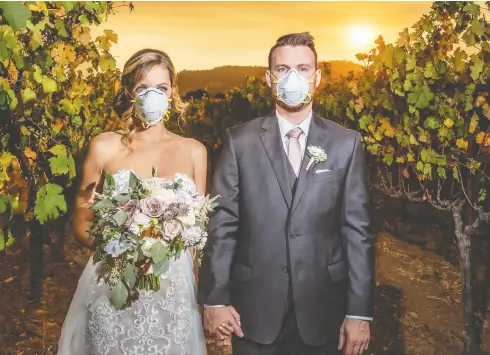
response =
{"points": [[149, 282]]}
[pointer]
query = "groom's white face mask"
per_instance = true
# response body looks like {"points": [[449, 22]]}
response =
{"points": [[293, 89], [293, 76]]}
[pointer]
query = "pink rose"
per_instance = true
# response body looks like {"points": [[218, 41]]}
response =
{"points": [[130, 208], [152, 207], [172, 229]]}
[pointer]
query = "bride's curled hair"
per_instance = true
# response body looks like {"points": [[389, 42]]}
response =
{"points": [[135, 70]]}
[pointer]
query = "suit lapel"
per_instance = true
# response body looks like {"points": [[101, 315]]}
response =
{"points": [[317, 136], [272, 141]]}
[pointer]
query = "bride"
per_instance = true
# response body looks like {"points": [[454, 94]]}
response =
{"points": [[165, 322]]}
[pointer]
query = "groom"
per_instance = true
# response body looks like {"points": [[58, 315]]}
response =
{"points": [[289, 247]]}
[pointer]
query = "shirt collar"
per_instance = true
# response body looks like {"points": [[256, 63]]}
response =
{"points": [[285, 126]]}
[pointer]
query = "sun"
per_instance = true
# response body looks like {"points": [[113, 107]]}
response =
{"points": [[361, 35]]}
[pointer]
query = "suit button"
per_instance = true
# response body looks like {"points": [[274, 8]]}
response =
{"points": [[293, 235], [285, 269]]}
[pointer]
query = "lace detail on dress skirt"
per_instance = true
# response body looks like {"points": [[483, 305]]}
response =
{"points": [[157, 323]]}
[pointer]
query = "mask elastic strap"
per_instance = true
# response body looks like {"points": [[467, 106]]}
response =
{"points": [[309, 97]]}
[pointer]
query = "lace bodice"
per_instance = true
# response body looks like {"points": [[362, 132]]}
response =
{"points": [[121, 179]]}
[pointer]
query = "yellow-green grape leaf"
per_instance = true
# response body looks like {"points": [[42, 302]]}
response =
{"points": [[82, 34], [473, 123], [387, 128], [13, 99], [413, 140], [49, 203], [60, 26], [63, 53], [36, 40], [105, 41], [448, 122], [359, 104], [461, 144], [28, 95], [61, 163], [37, 75], [49, 85], [4, 203], [456, 173], [477, 27], [15, 13], [107, 63], [476, 68], [441, 172], [482, 195], [10, 239], [480, 137], [69, 5], [460, 59], [6, 159], [24, 131]]}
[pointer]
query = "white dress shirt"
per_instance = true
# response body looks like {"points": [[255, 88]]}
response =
{"points": [[284, 128]]}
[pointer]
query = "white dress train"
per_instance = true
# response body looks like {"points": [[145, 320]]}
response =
{"points": [[164, 322]]}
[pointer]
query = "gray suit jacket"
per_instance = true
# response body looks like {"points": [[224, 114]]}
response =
{"points": [[265, 234]]}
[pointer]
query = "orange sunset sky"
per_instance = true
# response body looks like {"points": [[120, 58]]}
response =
{"points": [[204, 35]]}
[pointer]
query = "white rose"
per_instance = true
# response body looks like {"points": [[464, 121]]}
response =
{"points": [[315, 150], [166, 195], [146, 246], [189, 219]]}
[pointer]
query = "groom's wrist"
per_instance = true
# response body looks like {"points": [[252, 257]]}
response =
{"points": [[213, 306]]}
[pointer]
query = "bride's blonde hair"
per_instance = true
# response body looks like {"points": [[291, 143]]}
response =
{"points": [[135, 70]]}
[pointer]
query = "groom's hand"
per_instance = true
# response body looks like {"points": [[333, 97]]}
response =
{"points": [[354, 336], [218, 319]]}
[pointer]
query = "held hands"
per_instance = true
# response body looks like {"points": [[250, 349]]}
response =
{"points": [[222, 322], [354, 336]]}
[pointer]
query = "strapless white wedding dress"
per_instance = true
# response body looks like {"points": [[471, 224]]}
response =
{"points": [[164, 322]]}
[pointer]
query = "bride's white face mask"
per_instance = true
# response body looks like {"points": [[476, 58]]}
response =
{"points": [[151, 106]]}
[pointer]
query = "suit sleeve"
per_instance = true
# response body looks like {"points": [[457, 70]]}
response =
{"points": [[358, 239], [214, 275]]}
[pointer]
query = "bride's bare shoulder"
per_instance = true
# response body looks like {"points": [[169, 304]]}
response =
{"points": [[105, 144], [193, 146]]}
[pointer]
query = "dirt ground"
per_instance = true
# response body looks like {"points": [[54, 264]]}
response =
{"points": [[418, 309]]}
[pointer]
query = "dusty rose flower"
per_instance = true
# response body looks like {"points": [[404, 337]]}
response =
{"points": [[152, 207], [172, 229], [179, 209], [169, 215], [130, 208]]}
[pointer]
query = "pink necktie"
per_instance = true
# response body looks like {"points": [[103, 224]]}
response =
{"points": [[294, 149]]}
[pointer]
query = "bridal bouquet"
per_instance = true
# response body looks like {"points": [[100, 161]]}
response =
{"points": [[152, 220]]}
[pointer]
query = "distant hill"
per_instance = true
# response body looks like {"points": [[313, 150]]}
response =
{"points": [[222, 79]]}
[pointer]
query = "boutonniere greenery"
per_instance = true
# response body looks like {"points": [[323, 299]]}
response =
{"points": [[316, 154]]}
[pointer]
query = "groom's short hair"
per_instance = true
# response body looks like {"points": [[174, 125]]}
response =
{"points": [[294, 40]]}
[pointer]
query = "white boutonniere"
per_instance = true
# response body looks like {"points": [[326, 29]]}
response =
{"points": [[316, 154]]}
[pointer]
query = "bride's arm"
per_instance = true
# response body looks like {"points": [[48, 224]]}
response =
{"points": [[91, 174], [200, 167]]}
